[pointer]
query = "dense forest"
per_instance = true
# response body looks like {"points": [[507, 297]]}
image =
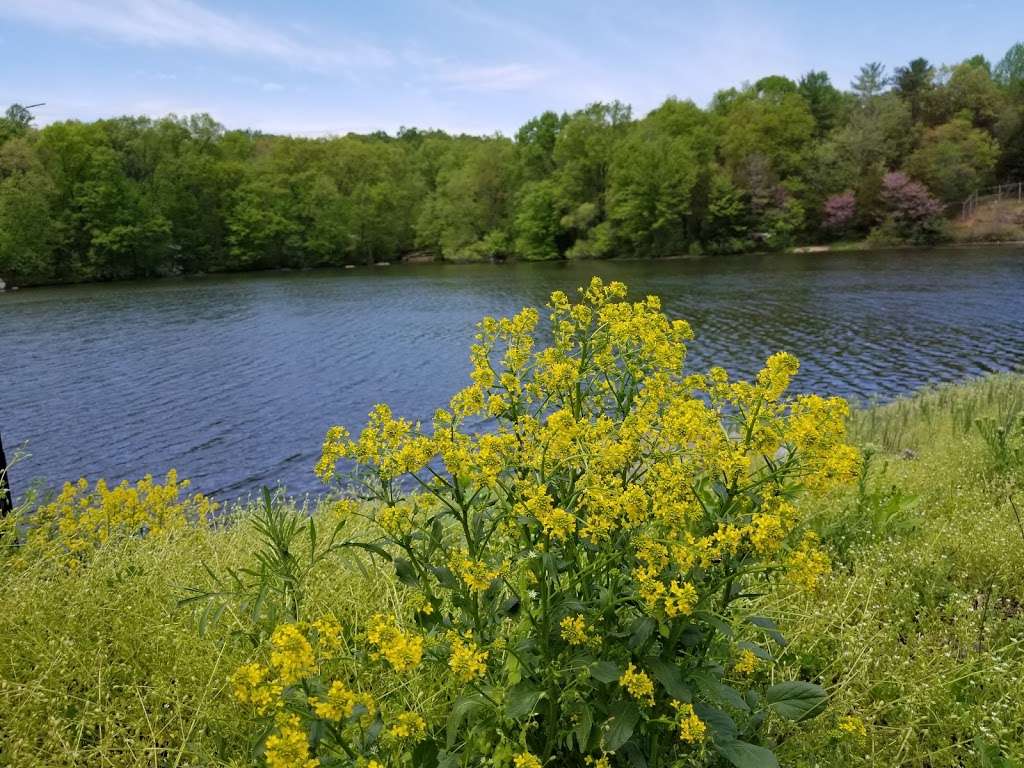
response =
{"points": [[763, 167]]}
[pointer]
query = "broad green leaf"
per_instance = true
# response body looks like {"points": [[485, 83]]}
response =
{"points": [[606, 671], [744, 755], [717, 691], [722, 727], [796, 700], [584, 720], [405, 572], [522, 699], [462, 709], [768, 627], [760, 651], [425, 754], [671, 679], [620, 726], [641, 630]]}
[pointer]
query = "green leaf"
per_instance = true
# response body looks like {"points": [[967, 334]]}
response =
{"points": [[620, 726], [796, 700], [463, 708], [641, 630], [521, 700], [723, 728], [584, 719], [405, 572], [373, 548], [445, 577], [760, 651], [717, 691], [744, 755], [606, 671], [769, 628], [671, 678]]}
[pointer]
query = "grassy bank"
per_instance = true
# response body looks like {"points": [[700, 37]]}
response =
{"points": [[917, 635]]}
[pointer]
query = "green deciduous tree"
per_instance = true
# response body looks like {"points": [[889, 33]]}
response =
{"points": [[954, 160], [650, 195]]}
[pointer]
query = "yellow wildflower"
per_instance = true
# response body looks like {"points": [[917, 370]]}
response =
{"points": [[402, 650], [691, 728], [808, 563], [556, 522], [466, 661], [638, 684], [410, 726], [474, 573], [252, 685], [291, 654], [575, 630], [526, 760], [853, 726], [341, 702], [289, 746], [746, 663], [328, 636], [681, 599]]}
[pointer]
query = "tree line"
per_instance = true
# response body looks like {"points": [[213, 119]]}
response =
{"points": [[763, 166]]}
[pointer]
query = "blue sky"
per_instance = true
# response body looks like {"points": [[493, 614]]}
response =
{"points": [[317, 67]]}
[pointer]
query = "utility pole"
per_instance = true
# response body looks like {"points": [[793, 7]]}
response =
{"points": [[6, 502]]}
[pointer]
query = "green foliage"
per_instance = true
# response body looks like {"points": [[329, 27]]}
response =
{"points": [[136, 197], [537, 222], [954, 160], [650, 191]]}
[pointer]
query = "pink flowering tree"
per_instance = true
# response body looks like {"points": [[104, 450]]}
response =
{"points": [[839, 213], [913, 214]]}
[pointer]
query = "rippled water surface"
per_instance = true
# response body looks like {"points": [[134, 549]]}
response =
{"points": [[233, 380]]}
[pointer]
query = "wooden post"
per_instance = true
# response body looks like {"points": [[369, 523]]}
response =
{"points": [[6, 502]]}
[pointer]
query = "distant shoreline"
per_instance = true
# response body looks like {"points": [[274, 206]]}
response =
{"points": [[803, 250]]}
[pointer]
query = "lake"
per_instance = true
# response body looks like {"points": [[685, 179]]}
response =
{"points": [[233, 380]]}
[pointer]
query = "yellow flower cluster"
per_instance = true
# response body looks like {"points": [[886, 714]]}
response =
{"points": [[328, 636], [402, 650], [526, 760], [341, 702], [851, 725], [746, 663], [292, 659], [808, 563], [556, 522], [638, 684], [390, 444], [288, 747], [466, 661], [397, 519], [680, 600], [80, 519], [476, 575], [291, 654], [691, 728], [575, 630], [609, 470], [408, 726], [253, 684]]}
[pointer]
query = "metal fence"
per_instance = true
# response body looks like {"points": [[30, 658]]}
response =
{"points": [[1013, 191]]}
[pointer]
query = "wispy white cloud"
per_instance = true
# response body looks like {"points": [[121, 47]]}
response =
{"points": [[272, 87], [508, 77], [183, 23]]}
